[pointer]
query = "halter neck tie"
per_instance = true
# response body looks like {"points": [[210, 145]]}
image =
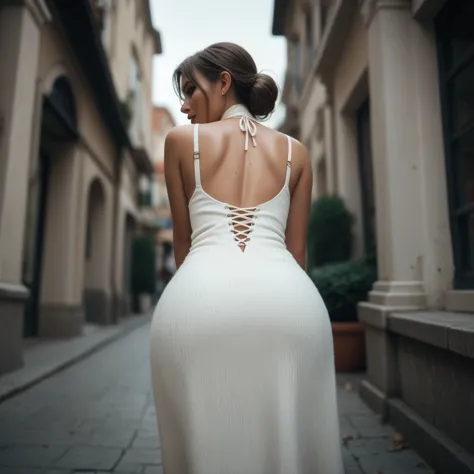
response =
{"points": [[246, 123], [248, 126]]}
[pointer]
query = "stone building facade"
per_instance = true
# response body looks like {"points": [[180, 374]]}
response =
{"points": [[75, 140], [390, 83], [163, 122]]}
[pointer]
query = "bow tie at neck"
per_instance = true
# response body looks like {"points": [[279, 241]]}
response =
{"points": [[246, 123]]}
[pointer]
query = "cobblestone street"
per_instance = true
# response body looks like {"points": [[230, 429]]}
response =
{"points": [[97, 416]]}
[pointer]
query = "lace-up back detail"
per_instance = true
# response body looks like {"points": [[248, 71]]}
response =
{"points": [[242, 220], [216, 222]]}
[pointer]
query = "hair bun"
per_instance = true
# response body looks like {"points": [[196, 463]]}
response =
{"points": [[263, 96]]}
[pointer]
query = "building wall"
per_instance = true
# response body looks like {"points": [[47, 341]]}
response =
{"points": [[92, 157], [56, 59], [133, 42], [417, 328], [19, 38], [18, 31], [163, 122], [89, 210], [326, 112], [127, 212], [130, 45], [312, 135], [349, 90]]}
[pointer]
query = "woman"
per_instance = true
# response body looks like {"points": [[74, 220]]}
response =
{"points": [[241, 349]]}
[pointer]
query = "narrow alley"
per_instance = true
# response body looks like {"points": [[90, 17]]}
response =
{"points": [[97, 416]]}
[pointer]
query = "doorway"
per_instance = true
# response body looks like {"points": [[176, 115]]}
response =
{"points": [[58, 131], [34, 242], [364, 149]]}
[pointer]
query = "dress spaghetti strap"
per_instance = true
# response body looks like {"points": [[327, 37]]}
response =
{"points": [[197, 171]]}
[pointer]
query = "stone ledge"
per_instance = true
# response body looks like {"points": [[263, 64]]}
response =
{"points": [[450, 331], [373, 315], [13, 292], [460, 301], [442, 453]]}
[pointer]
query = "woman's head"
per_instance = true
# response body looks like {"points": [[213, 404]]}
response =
{"points": [[223, 74]]}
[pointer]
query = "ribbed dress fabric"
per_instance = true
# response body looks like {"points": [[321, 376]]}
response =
{"points": [[242, 359]]}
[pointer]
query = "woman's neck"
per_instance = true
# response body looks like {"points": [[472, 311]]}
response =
{"points": [[247, 124], [236, 110]]}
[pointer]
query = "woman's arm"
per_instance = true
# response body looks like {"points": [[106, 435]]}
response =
{"points": [[176, 194], [297, 226]]}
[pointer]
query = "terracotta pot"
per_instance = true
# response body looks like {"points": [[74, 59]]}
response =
{"points": [[349, 346]]}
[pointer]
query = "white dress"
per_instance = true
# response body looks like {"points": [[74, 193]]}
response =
{"points": [[241, 349]]}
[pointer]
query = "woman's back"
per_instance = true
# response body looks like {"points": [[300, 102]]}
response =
{"points": [[241, 349], [245, 165], [241, 334], [233, 175]]}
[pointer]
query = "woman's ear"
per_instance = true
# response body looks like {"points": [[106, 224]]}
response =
{"points": [[226, 82]]}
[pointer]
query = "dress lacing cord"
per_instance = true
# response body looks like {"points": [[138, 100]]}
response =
{"points": [[242, 220]]}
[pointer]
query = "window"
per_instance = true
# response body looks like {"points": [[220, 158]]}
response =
{"points": [[366, 176], [134, 75], [296, 69], [321, 178], [106, 22], [309, 37], [145, 192], [323, 14], [88, 246], [135, 100], [63, 98], [455, 37]]}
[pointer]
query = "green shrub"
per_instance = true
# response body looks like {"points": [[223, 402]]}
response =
{"points": [[143, 265], [343, 285], [329, 232]]}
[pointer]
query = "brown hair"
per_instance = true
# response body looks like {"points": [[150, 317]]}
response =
{"points": [[257, 91]]}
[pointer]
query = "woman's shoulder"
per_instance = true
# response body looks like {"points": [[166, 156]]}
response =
{"points": [[296, 145], [178, 141], [176, 134], [298, 150], [182, 135]]}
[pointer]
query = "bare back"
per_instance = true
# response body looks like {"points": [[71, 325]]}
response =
{"points": [[232, 175]]}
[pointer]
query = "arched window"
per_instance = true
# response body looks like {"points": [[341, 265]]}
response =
{"points": [[62, 98]]}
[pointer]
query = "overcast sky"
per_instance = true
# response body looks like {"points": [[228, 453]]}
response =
{"points": [[187, 26]]}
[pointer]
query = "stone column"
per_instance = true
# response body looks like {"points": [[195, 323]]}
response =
{"points": [[61, 308], [405, 122], [20, 25]]}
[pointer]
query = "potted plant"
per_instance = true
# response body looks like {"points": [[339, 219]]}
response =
{"points": [[329, 235], [341, 282], [342, 286]]}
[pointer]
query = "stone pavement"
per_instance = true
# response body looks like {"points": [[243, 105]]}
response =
{"points": [[44, 357], [370, 447], [97, 416]]}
